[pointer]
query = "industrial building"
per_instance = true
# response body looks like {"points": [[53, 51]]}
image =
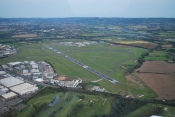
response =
{"points": [[26, 72], [6, 50], [10, 81], [9, 96], [2, 72], [11, 64], [31, 69], [70, 84], [3, 90], [24, 89], [98, 88]]}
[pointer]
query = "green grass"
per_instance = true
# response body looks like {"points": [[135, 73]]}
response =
{"points": [[68, 102], [157, 56], [150, 107], [170, 111], [61, 65], [100, 57], [126, 86], [40, 86]]}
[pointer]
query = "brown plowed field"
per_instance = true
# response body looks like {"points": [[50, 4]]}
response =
{"points": [[159, 76], [162, 84], [25, 36], [157, 67], [124, 46], [145, 45]]}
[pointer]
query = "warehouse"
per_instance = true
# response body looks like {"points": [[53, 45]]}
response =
{"points": [[34, 66], [3, 91], [2, 72], [24, 89], [10, 81], [9, 96], [4, 66], [14, 63]]}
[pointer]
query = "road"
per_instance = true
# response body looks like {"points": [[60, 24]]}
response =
{"points": [[83, 65]]}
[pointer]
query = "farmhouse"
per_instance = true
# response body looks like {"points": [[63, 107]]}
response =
{"points": [[24, 89]]}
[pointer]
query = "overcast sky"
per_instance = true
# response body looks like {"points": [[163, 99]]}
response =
{"points": [[87, 8]]}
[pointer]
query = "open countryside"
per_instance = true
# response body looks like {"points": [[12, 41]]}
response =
{"points": [[87, 67]]}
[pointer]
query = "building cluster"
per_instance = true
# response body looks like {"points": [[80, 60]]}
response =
{"points": [[99, 89], [6, 50], [69, 84], [31, 69], [17, 82], [78, 44], [13, 90]]}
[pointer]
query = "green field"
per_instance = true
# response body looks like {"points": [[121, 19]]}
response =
{"points": [[69, 105], [167, 111], [102, 57], [157, 56]]}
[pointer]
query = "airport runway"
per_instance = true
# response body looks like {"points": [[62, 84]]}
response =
{"points": [[83, 65]]}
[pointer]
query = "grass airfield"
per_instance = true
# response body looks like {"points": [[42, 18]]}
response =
{"points": [[102, 57]]}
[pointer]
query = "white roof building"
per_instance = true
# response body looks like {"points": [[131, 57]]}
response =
{"points": [[26, 72], [34, 66], [1, 86], [9, 95], [26, 62], [24, 88], [2, 72], [10, 81], [32, 63], [34, 70], [4, 66], [4, 90], [14, 63]]}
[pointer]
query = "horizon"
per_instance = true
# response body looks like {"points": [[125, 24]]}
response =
{"points": [[87, 8]]}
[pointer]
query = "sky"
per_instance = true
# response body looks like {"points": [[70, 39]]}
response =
{"points": [[87, 8]]}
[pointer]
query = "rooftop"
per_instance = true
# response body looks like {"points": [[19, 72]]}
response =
{"points": [[24, 88], [9, 95], [10, 81]]}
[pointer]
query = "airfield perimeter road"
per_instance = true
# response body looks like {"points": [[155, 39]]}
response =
{"points": [[84, 66]]}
